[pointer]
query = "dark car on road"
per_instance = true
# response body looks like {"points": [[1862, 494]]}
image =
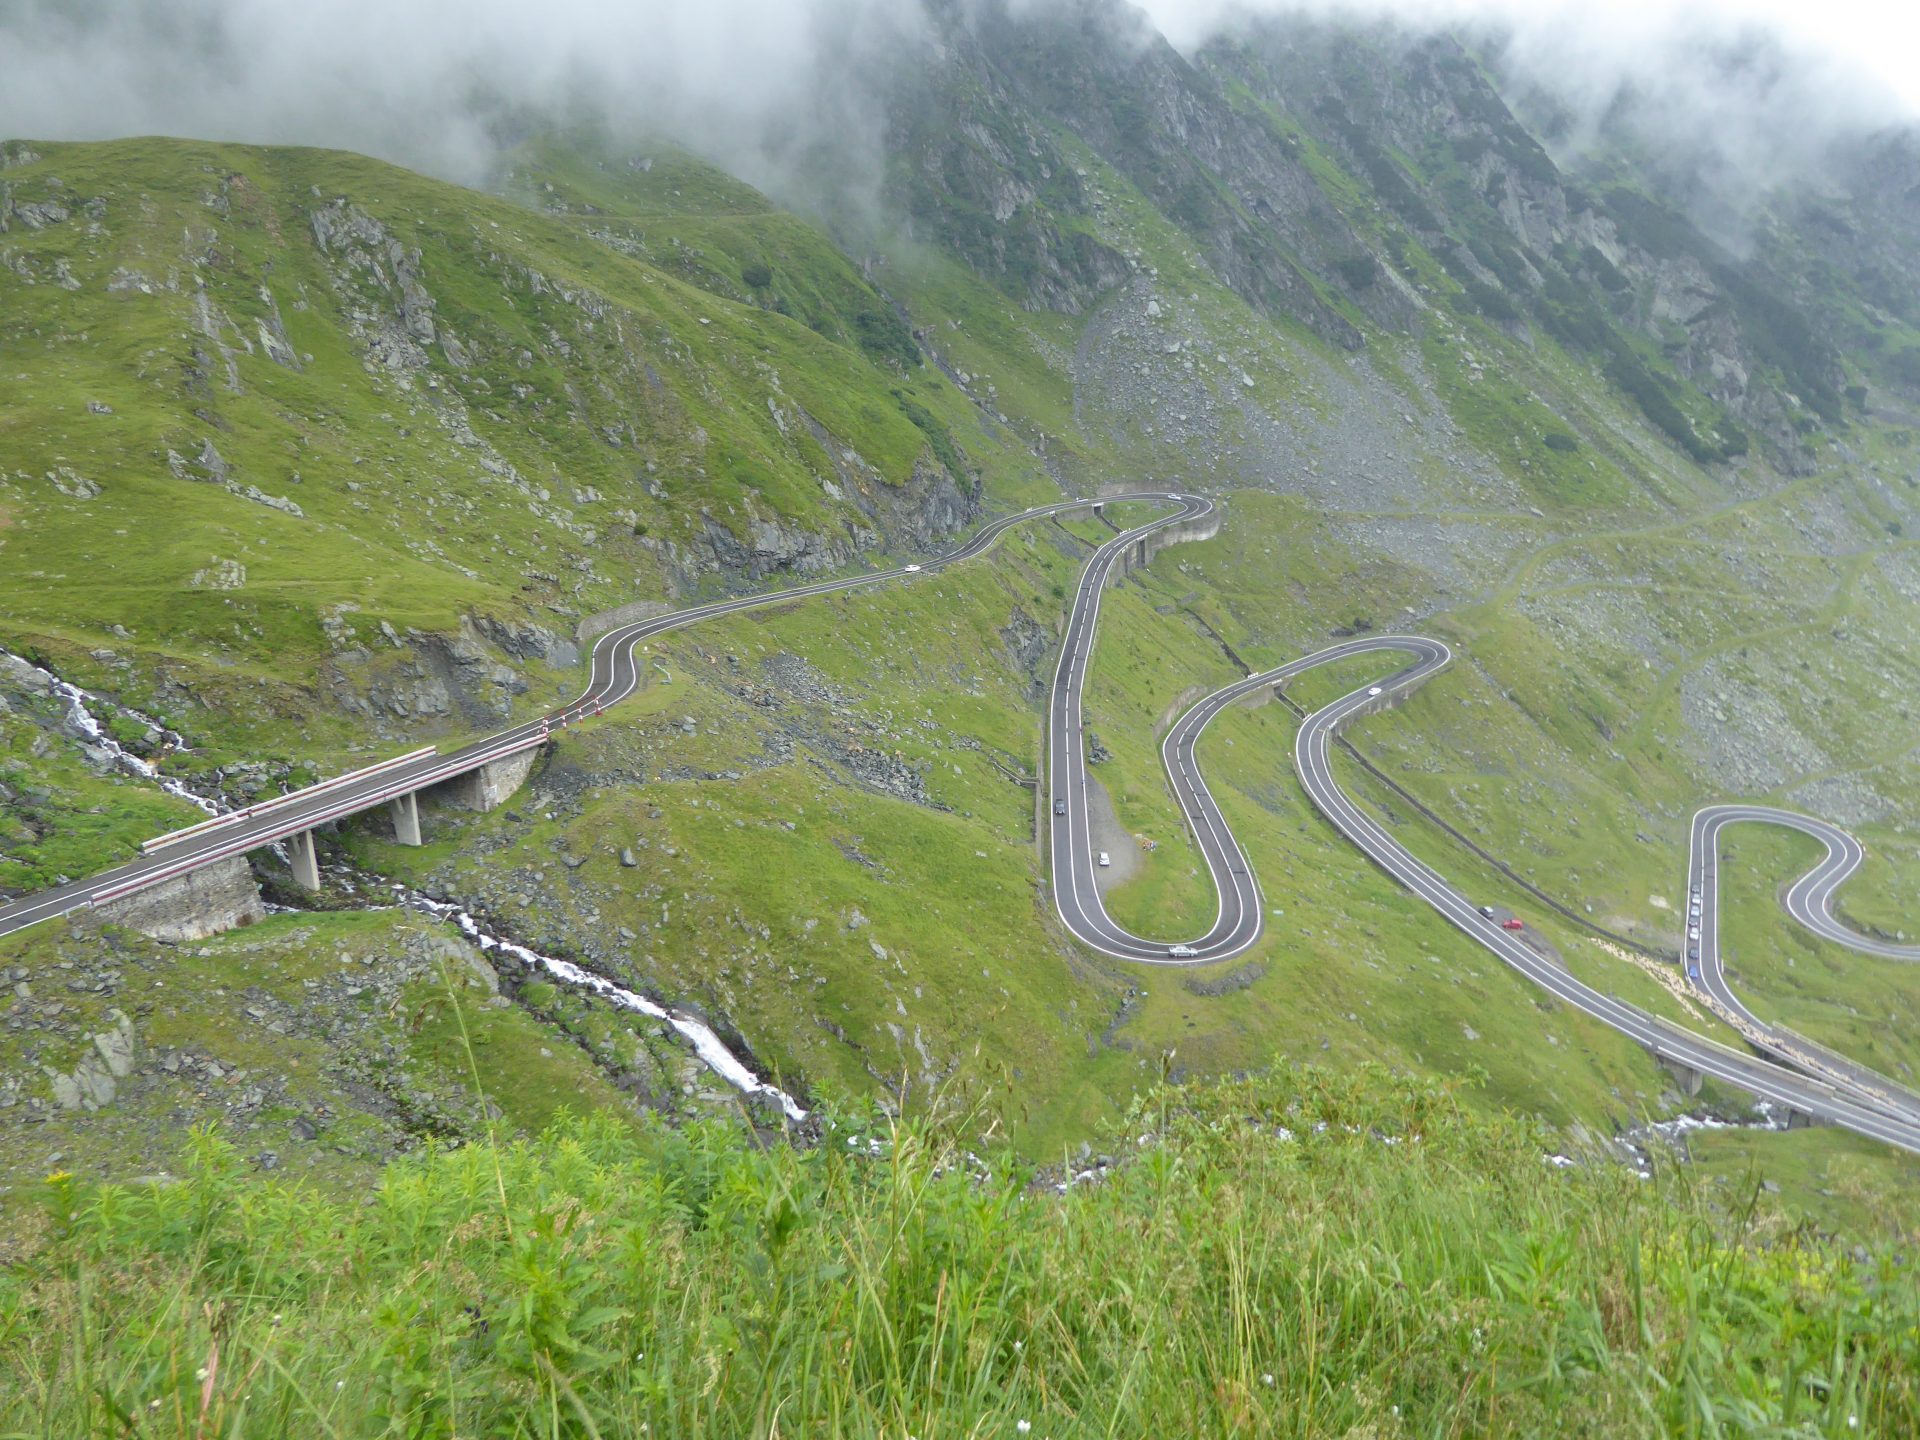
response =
{"points": [[1059, 807]]}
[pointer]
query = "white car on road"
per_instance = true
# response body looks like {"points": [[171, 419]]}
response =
{"points": [[1182, 952]]}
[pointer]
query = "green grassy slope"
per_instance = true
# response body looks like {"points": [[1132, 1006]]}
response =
{"points": [[627, 401], [1298, 1254], [831, 854], [281, 427]]}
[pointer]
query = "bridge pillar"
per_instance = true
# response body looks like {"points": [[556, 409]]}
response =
{"points": [[1688, 1078], [406, 819], [305, 861], [488, 787]]}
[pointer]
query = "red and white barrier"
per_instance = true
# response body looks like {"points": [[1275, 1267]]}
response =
{"points": [[458, 766], [235, 817]]}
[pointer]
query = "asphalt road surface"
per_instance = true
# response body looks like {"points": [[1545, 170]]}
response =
{"points": [[1808, 900], [1887, 1116], [614, 676], [1873, 1110]]}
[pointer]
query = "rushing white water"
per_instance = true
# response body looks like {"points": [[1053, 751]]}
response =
{"points": [[1672, 1134], [707, 1045], [97, 737]]}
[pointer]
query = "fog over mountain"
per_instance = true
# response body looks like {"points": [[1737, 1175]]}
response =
{"points": [[1738, 94], [436, 84]]}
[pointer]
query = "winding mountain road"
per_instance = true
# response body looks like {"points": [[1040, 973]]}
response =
{"points": [[1808, 900], [1853, 1097], [1867, 1105], [614, 676]]}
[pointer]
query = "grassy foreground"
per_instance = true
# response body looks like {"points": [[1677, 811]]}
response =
{"points": [[1300, 1253]]}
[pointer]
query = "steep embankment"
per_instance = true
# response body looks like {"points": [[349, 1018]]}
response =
{"points": [[1442, 380], [1309, 1252], [302, 440]]}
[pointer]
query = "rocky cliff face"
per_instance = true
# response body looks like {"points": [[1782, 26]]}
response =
{"points": [[926, 512], [985, 173], [1593, 259], [1323, 169]]}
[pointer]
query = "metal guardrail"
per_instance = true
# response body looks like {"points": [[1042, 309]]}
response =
{"points": [[234, 817], [458, 766]]}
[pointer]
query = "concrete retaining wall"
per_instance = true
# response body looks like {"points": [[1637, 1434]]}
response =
{"points": [[489, 787], [606, 620], [192, 906], [1390, 696], [1141, 552]]}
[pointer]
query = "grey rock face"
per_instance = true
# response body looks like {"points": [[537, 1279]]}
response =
{"points": [[928, 508], [71, 483], [370, 259], [193, 906], [431, 677], [1029, 645], [525, 640], [93, 1083]]}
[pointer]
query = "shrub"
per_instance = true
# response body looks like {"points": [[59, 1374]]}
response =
{"points": [[886, 339], [1604, 270], [1491, 302], [1359, 271]]}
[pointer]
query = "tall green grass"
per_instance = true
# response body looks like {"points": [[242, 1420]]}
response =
{"points": [[1299, 1253]]}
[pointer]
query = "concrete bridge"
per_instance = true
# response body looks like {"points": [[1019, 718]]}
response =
{"points": [[191, 883]]}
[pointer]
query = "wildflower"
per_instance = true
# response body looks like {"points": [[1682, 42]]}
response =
{"points": [[1023, 1426], [1266, 1379], [1018, 1347], [201, 1373]]}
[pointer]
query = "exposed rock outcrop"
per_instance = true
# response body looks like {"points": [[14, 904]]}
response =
{"points": [[110, 1057]]}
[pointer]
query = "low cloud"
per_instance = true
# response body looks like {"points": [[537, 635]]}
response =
{"points": [[1724, 99], [434, 82], [769, 87]]}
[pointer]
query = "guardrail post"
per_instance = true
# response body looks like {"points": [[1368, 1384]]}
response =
{"points": [[406, 818], [306, 863]]}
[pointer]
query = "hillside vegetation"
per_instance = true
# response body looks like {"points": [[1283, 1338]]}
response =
{"points": [[311, 459], [1305, 1253], [404, 436]]}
